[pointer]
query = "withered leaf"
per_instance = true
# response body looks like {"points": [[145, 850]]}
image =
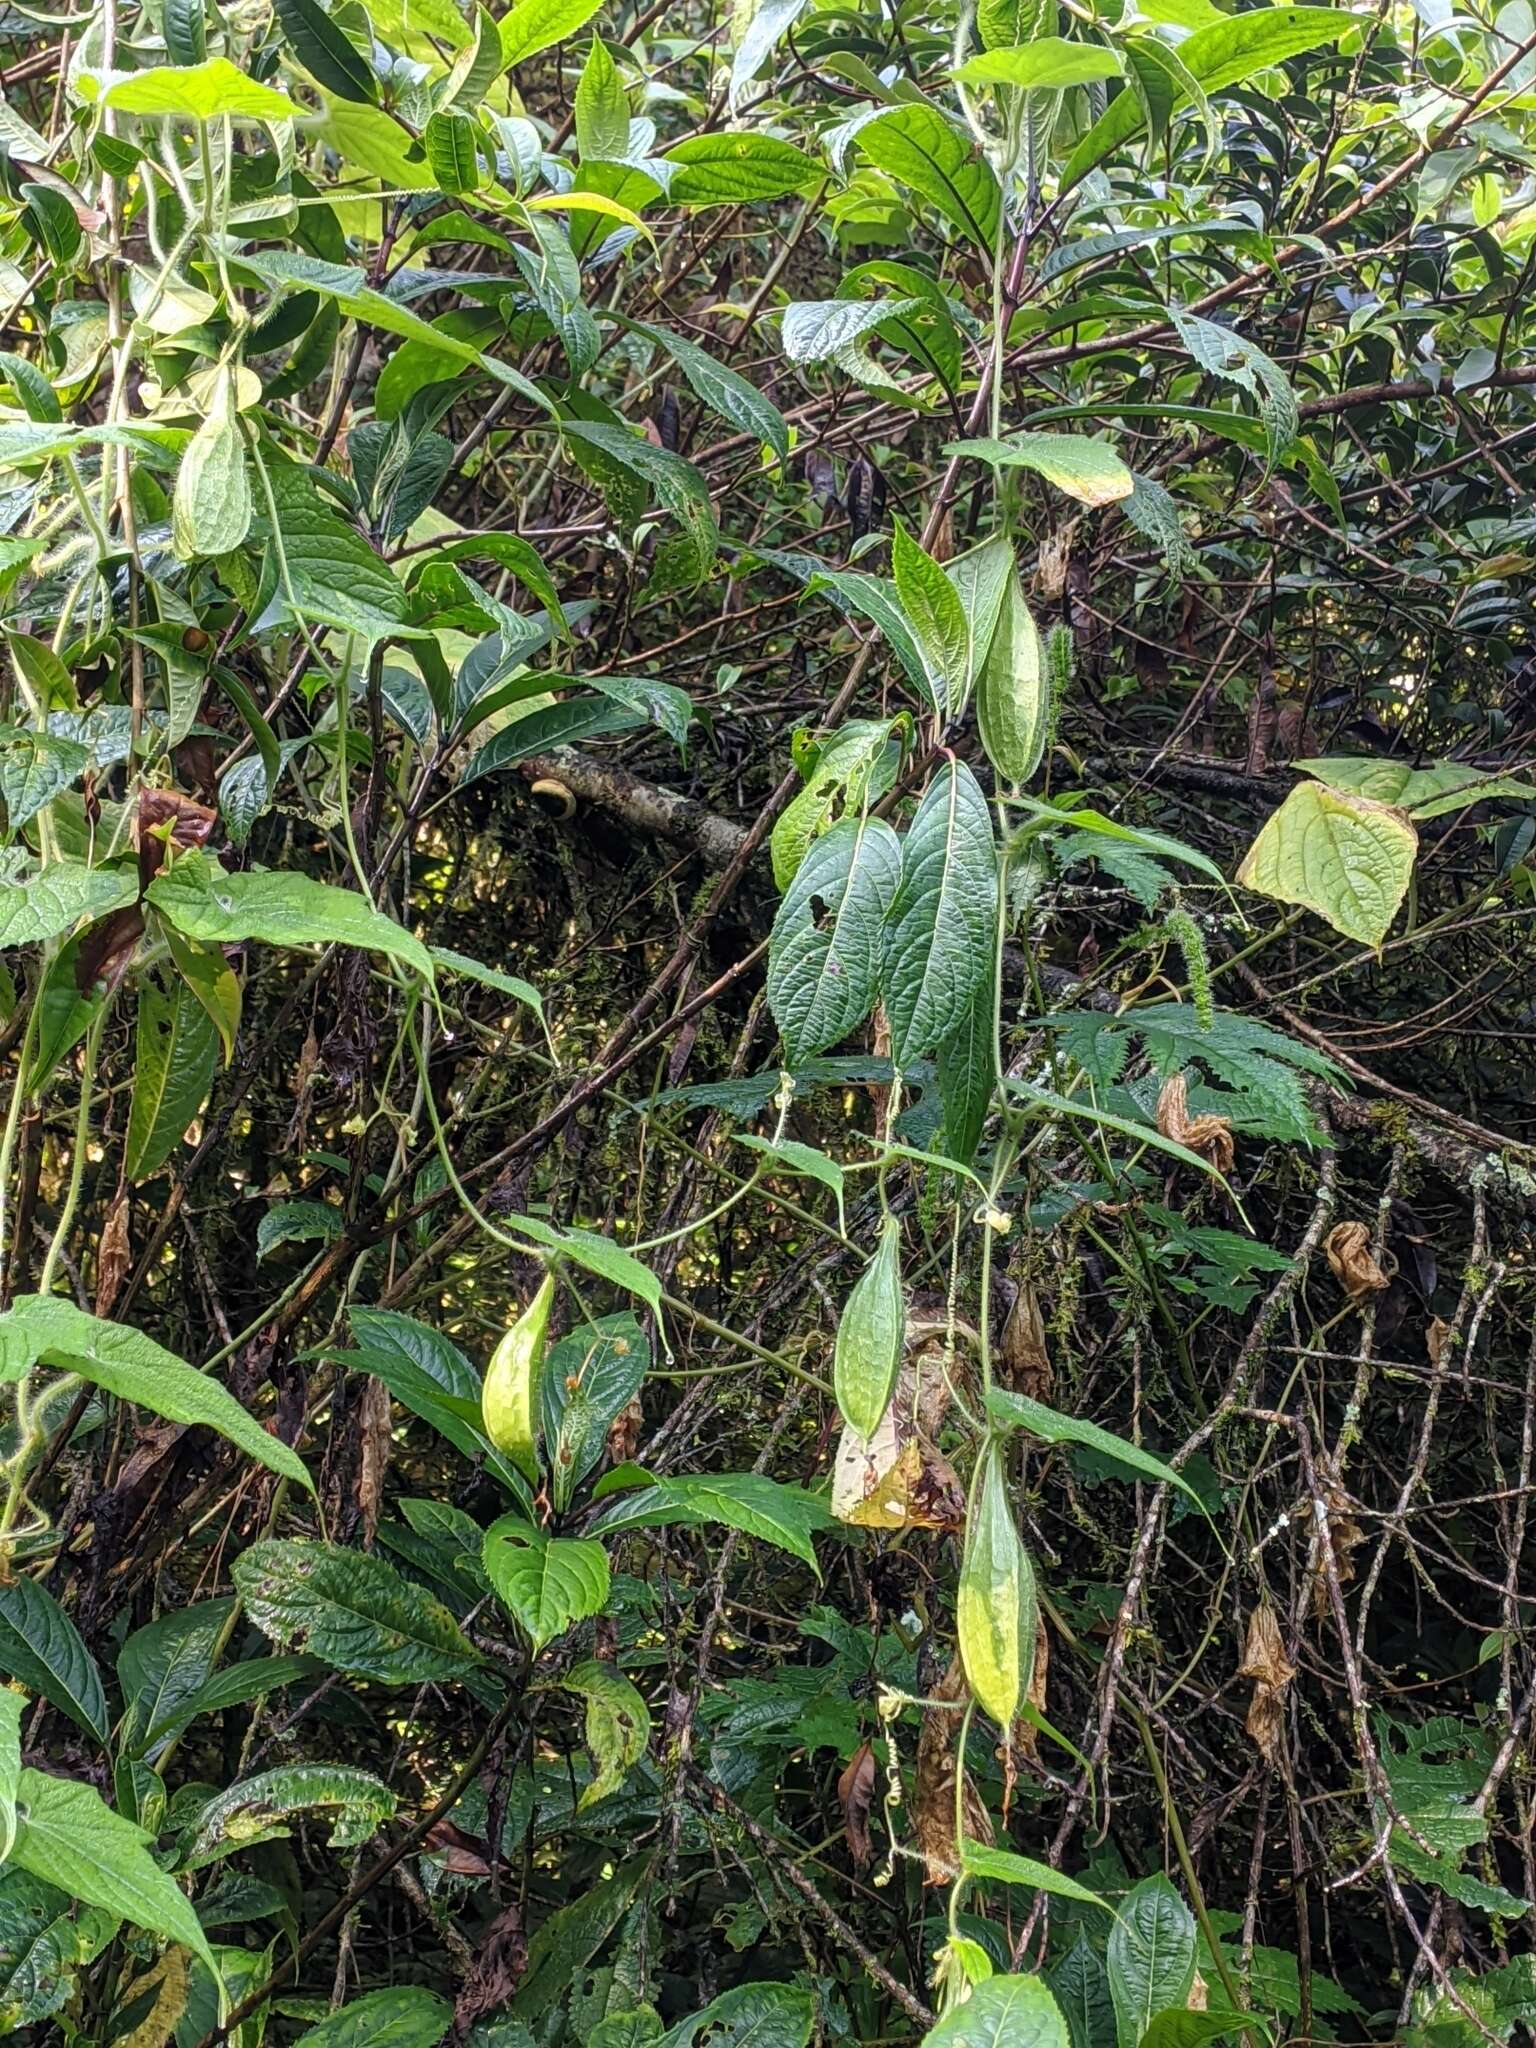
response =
{"points": [[1209, 1136], [933, 1793], [1348, 1246], [856, 1794], [1265, 1662]]}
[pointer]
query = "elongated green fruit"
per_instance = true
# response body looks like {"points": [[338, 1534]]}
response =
{"points": [[509, 1400], [211, 509], [1012, 697], [996, 1607], [870, 1335]]}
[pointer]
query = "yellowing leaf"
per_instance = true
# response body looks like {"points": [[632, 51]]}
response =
{"points": [[1344, 856], [1087, 470], [588, 202]]}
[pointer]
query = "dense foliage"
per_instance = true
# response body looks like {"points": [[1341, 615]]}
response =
{"points": [[766, 905]]}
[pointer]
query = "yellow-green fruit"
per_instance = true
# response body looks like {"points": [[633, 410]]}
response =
{"points": [[509, 1400], [995, 1606]]}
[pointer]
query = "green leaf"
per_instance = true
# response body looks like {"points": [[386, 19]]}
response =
{"points": [[1347, 857], [735, 170], [177, 1050], [599, 1255], [1178, 2027], [38, 666], [940, 933], [333, 575], [356, 1804], [675, 482], [1222, 54], [981, 576], [1012, 691], [452, 143], [793, 1157], [996, 1607], [35, 767], [561, 1949], [782, 1515], [353, 1611], [770, 19], [1018, 1411], [71, 1838], [824, 953], [822, 330], [871, 1333], [1005, 1867], [1003, 2012], [873, 597], [590, 1375], [326, 54], [532, 25], [490, 977], [1046, 65], [756, 2016], [1151, 1956], [51, 1331], [430, 1376], [618, 1724], [967, 1064], [476, 68], [44, 1936], [1428, 792], [163, 1666], [547, 1583], [294, 270], [736, 401], [405, 2016], [298, 1223], [1089, 471], [1088, 820], [199, 92], [212, 508], [11, 1704], [936, 615], [856, 765], [602, 108], [203, 900], [1080, 1985], [43, 903], [1228, 355], [940, 162], [184, 27]]}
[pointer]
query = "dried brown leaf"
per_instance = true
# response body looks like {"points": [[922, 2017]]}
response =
{"points": [[1348, 1246], [933, 1793], [500, 1963], [114, 1255], [1265, 1662], [1209, 1136], [856, 1795], [1022, 1355]]}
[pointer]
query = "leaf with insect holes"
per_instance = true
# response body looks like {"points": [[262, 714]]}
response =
{"points": [[546, 1583], [352, 1610]]}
